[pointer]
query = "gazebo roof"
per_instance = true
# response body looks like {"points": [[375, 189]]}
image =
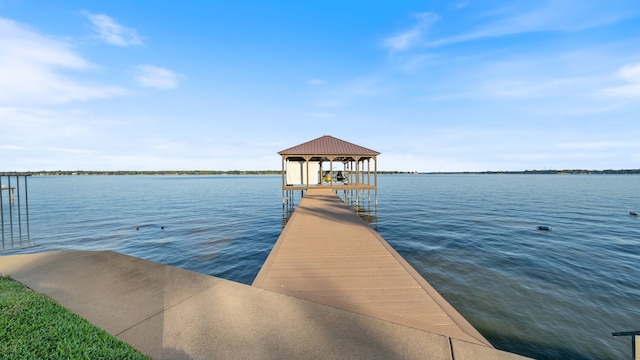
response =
{"points": [[328, 145]]}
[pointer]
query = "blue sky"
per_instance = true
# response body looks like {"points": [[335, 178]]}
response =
{"points": [[432, 85]]}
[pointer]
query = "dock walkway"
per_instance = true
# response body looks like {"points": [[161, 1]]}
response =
{"points": [[328, 255]]}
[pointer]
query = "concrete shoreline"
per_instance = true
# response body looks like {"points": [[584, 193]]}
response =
{"points": [[171, 313]]}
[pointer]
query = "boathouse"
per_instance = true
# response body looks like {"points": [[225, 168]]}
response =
{"points": [[330, 163]]}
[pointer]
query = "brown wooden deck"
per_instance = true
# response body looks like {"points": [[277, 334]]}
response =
{"points": [[328, 255]]}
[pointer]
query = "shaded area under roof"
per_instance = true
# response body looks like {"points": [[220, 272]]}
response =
{"points": [[329, 145]]}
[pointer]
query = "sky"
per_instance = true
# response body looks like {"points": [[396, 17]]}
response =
{"points": [[435, 86]]}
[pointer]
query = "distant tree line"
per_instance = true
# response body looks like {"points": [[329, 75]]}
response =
{"points": [[277, 172], [164, 172], [153, 172], [552, 172]]}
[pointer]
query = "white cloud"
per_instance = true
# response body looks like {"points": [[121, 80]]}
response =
{"points": [[630, 75], [157, 77], [315, 82], [19, 43], [113, 33], [412, 36], [34, 67], [404, 40], [625, 91]]}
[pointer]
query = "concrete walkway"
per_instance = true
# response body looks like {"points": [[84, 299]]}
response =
{"points": [[171, 313]]}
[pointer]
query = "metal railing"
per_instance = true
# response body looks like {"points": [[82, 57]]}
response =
{"points": [[635, 342], [14, 210]]}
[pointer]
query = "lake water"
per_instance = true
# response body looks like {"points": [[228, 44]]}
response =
{"points": [[546, 294]]}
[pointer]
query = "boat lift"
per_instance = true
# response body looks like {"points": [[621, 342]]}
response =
{"points": [[14, 211]]}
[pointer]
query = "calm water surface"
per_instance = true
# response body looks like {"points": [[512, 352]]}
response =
{"points": [[546, 294]]}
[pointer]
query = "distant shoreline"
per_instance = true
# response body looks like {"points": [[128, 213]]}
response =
{"points": [[548, 172], [277, 172]]}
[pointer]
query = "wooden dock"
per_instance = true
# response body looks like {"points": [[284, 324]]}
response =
{"points": [[328, 255]]}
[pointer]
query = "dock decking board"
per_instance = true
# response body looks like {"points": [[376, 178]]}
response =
{"points": [[327, 254]]}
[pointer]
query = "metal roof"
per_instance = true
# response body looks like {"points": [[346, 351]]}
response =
{"points": [[328, 145]]}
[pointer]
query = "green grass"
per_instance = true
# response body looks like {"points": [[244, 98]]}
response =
{"points": [[32, 326]]}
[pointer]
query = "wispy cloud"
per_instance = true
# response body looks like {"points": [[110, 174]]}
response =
{"points": [[541, 16], [413, 36], [490, 82], [630, 73], [315, 82], [111, 32], [34, 69], [630, 87], [157, 77], [23, 44]]}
